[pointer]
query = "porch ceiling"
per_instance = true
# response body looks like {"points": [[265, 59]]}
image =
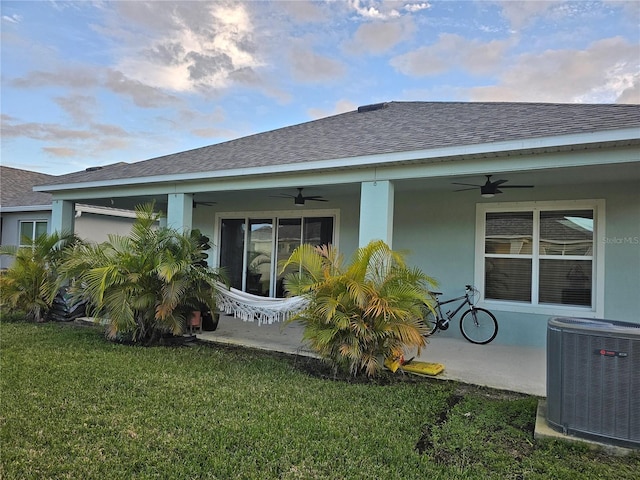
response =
{"points": [[567, 177]]}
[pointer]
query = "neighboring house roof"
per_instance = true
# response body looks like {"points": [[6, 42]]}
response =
{"points": [[379, 129], [16, 188], [17, 195]]}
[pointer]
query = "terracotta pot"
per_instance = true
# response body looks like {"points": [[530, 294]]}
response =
{"points": [[195, 319]]}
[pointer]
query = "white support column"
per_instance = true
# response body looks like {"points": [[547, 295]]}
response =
{"points": [[376, 212], [63, 213], [180, 211]]}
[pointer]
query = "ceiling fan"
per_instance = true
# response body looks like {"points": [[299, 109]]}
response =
{"points": [[299, 199], [206, 204], [489, 189]]}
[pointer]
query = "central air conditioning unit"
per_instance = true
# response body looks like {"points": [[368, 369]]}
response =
{"points": [[593, 379]]}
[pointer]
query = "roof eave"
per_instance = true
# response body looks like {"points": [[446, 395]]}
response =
{"points": [[25, 208], [548, 143]]}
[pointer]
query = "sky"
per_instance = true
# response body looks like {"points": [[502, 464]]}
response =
{"points": [[98, 82]]}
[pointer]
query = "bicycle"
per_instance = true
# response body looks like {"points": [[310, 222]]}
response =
{"points": [[477, 325]]}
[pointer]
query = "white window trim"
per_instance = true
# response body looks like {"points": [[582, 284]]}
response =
{"points": [[598, 206]]}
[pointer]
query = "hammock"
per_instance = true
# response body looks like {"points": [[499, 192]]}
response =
{"points": [[251, 307]]}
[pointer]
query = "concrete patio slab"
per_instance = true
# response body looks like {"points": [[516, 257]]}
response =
{"points": [[512, 368]]}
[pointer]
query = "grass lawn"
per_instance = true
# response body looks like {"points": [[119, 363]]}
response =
{"points": [[76, 406]]}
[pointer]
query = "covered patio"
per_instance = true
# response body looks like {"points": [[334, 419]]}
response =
{"points": [[514, 368]]}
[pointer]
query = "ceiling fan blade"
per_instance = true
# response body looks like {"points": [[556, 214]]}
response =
{"points": [[283, 195], [466, 189], [498, 182], [467, 184], [316, 199]]}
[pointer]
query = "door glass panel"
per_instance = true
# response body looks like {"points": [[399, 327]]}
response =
{"points": [[509, 233], [318, 231], [289, 236], [232, 249], [259, 250]]}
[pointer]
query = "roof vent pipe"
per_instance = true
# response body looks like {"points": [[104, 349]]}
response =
{"points": [[373, 107]]}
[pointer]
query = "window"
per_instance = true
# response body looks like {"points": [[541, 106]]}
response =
{"points": [[540, 256], [252, 246], [30, 230]]}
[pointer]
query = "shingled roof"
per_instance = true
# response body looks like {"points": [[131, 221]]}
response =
{"points": [[380, 129], [16, 188]]}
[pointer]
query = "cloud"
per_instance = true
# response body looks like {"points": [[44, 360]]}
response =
{"points": [[378, 37], [341, 106], [80, 108], [452, 51], [307, 66], [304, 11], [183, 46], [248, 77], [630, 94], [386, 9], [95, 138], [12, 18], [521, 13], [600, 73], [70, 77], [62, 152], [142, 95]]}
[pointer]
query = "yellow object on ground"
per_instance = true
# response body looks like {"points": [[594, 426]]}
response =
{"points": [[422, 368]]}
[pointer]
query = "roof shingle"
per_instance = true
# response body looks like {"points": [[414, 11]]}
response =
{"points": [[398, 127], [16, 188]]}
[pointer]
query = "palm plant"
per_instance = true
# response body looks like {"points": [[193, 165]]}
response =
{"points": [[144, 284], [31, 284], [361, 313]]}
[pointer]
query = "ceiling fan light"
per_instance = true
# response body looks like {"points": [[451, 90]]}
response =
{"points": [[488, 195]]}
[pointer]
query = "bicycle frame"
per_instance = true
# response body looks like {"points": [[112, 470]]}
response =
{"points": [[448, 316]]}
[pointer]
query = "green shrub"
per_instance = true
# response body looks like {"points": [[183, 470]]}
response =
{"points": [[145, 284], [31, 284], [361, 313]]}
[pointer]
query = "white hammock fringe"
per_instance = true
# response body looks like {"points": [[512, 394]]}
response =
{"points": [[249, 307]]}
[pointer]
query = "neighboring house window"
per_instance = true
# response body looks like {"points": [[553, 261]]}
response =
{"points": [[30, 230], [541, 256]]}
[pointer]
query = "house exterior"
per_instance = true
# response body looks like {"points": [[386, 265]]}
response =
{"points": [[565, 242], [25, 213]]}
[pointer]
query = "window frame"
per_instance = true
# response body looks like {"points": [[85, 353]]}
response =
{"points": [[598, 272], [34, 222]]}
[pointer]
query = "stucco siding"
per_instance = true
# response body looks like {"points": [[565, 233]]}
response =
{"points": [[96, 228]]}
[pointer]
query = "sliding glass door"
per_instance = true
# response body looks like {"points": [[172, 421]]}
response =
{"points": [[252, 248]]}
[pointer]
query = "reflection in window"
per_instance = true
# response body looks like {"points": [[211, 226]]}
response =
{"points": [[259, 249]]}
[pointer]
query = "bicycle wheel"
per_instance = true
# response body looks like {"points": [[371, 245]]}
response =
{"points": [[430, 321], [478, 326]]}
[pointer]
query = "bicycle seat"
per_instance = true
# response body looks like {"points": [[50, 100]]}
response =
{"points": [[435, 294]]}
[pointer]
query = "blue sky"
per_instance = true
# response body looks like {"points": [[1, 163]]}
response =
{"points": [[98, 82]]}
